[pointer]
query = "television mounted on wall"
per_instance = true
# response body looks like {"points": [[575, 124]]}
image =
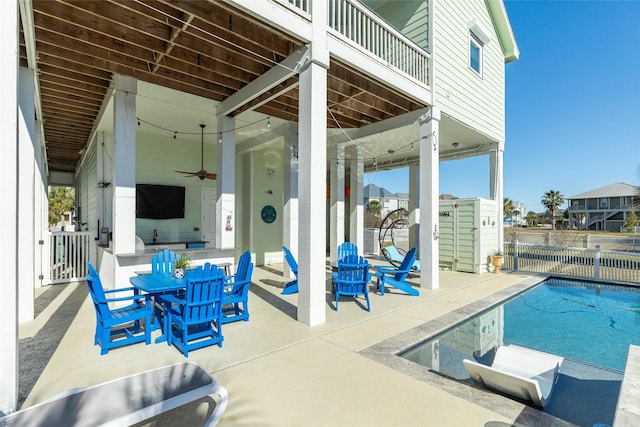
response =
{"points": [[159, 201]]}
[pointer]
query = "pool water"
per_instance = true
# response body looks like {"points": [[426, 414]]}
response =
{"points": [[590, 324], [579, 320]]}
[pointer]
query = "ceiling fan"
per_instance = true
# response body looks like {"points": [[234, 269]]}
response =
{"points": [[202, 174]]}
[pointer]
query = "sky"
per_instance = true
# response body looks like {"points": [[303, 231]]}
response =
{"points": [[572, 105]]}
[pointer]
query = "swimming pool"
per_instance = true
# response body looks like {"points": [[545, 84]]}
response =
{"points": [[590, 324]]}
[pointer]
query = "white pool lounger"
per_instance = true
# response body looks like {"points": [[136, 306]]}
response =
{"points": [[518, 371], [127, 400]]}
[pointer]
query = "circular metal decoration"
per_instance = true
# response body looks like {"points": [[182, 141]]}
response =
{"points": [[268, 214]]}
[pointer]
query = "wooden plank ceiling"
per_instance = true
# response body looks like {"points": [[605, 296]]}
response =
{"points": [[206, 48]]}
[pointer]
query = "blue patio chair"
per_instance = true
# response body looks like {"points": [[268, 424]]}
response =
{"points": [[117, 327], [236, 295], [396, 276], [195, 321], [346, 249], [292, 286], [164, 262], [352, 278], [395, 256]]}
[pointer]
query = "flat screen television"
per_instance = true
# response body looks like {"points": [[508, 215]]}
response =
{"points": [[159, 201]]}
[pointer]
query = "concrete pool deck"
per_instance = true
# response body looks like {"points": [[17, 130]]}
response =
{"points": [[279, 372]]}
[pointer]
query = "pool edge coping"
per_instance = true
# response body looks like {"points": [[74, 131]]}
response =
{"points": [[386, 352]]}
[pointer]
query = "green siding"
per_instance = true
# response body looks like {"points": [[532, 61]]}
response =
{"points": [[475, 101], [409, 17]]}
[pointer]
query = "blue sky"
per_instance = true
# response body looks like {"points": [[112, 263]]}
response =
{"points": [[572, 105]]}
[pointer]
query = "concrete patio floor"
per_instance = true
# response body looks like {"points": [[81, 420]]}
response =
{"points": [[278, 371]]}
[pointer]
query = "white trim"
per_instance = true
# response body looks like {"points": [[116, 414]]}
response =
{"points": [[479, 30]]}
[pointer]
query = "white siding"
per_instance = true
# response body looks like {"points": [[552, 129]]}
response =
{"points": [[158, 157], [86, 190], [459, 91], [268, 187]]}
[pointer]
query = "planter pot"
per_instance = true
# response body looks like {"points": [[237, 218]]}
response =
{"points": [[178, 273], [496, 261]]}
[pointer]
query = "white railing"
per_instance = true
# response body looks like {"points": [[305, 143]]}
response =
{"points": [[355, 24], [69, 253], [359, 25], [577, 262], [303, 5]]}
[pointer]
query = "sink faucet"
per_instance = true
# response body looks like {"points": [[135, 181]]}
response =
{"points": [[155, 235]]}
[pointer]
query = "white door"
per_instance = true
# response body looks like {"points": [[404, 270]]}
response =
{"points": [[208, 216]]}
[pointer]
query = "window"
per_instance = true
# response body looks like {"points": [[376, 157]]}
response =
{"points": [[603, 203], [479, 36], [475, 54]]}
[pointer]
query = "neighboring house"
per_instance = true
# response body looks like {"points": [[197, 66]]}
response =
{"points": [[388, 201], [605, 208], [291, 95]]}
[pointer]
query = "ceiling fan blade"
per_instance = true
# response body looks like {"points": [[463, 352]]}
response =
{"points": [[188, 173], [211, 176]]}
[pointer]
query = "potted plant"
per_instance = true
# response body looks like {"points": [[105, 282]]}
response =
{"points": [[183, 263], [496, 260]]}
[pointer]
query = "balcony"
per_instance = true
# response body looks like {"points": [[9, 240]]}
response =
{"points": [[356, 25]]}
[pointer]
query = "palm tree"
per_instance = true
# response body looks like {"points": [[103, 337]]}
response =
{"points": [[552, 200], [508, 208]]}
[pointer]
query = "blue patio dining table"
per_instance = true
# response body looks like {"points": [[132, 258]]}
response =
{"points": [[155, 285]]}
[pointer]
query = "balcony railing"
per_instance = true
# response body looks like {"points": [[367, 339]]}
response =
{"points": [[356, 24], [362, 27]]}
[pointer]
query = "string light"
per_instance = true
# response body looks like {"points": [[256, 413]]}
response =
{"points": [[176, 132]]}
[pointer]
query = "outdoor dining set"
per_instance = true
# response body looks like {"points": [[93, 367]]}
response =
{"points": [[189, 309]]}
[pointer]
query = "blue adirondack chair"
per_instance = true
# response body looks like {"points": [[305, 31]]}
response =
{"points": [[235, 299], [292, 286], [195, 321], [117, 327], [396, 276], [347, 249], [352, 278], [395, 257], [164, 262]]}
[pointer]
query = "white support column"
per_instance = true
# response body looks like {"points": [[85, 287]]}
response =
{"points": [[312, 170], [290, 220], [312, 197], [356, 198], [429, 187], [9, 206], [414, 207], [124, 173], [225, 183], [336, 200], [496, 190], [26, 185]]}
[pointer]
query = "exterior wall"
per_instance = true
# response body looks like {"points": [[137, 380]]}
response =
{"points": [[158, 156], [459, 92], [409, 17], [268, 190], [86, 190]]}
